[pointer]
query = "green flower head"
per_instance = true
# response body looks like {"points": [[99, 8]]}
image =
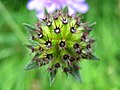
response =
{"points": [[60, 41]]}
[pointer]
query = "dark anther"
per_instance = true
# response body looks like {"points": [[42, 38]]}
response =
{"points": [[77, 18], [44, 19], [91, 41], [78, 23], [72, 59], [76, 67], [84, 36], [41, 49], [55, 17], [64, 21], [57, 30], [62, 44], [40, 29], [31, 47], [49, 23], [84, 56], [36, 59], [45, 61], [33, 37], [78, 59], [76, 46], [50, 69], [57, 65], [69, 16], [49, 56], [65, 57], [66, 70], [32, 50], [40, 35], [88, 46], [73, 30], [48, 44], [78, 51], [37, 24], [87, 28]]}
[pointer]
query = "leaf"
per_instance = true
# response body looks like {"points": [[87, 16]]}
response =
{"points": [[29, 46], [65, 10], [92, 25], [75, 73], [52, 76], [46, 12], [93, 57], [78, 14], [29, 27], [31, 65]]}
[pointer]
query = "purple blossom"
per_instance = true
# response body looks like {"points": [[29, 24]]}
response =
{"points": [[52, 5]]}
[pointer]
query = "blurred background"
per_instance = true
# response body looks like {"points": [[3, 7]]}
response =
{"points": [[96, 75]]}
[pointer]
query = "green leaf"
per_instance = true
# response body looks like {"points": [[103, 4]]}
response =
{"points": [[78, 14], [31, 65], [29, 27], [76, 74], [65, 10], [52, 76], [92, 25], [29, 46], [93, 57], [46, 12]]}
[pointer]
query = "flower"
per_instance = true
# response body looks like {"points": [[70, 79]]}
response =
{"points": [[60, 42], [53, 5]]}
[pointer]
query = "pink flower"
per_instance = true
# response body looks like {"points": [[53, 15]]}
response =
{"points": [[52, 5]]}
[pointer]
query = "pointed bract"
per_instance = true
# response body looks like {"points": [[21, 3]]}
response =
{"points": [[31, 65]]}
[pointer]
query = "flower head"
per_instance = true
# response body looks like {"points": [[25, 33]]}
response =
{"points": [[53, 5], [60, 41]]}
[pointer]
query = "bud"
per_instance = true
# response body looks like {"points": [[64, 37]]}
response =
{"points": [[61, 43]]}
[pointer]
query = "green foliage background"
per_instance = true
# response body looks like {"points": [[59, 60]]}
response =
{"points": [[96, 75]]}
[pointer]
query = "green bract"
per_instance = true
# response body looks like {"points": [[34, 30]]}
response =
{"points": [[61, 41]]}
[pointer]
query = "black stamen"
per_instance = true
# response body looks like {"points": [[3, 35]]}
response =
{"points": [[84, 36], [87, 28], [57, 30], [76, 46], [62, 44], [49, 23], [73, 30], [78, 51], [69, 16], [41, 49], [31, 47], [91, 41], [40, 35], [45, 61], [88, 46], [48, 44], [64, 21], [49, 56], [57, 65], [72, 59], [36, 59], [78, 23], [78, 59], [66, 70], [44, 19], [33, 37], [50, 69], [65, 57], [55, 17], [76, 67]]}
